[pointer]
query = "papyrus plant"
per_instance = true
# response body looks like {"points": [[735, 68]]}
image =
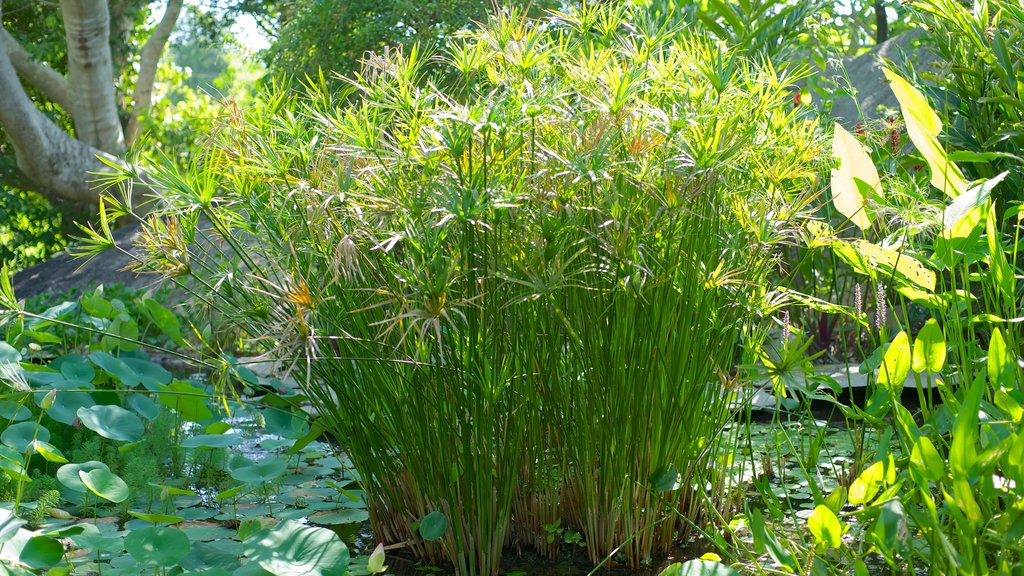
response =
{"points": [[515, 299]]}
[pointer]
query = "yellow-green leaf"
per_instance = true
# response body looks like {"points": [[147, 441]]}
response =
{"points": [[923, 127], [882, 263], [865, 487], [925, 460], [929, 348], [854, 180], [825, 527], [1001, 363], [896, 362]]}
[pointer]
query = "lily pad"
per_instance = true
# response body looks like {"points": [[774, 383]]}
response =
{"points": [[75, 367], [156, 518], [70, 396], [105, 484], [116, 368], [112, 422], [344, 516], [160, 545], [433, 526], [292, 549], [13, 411], [187, 400], [42, 552], [67, 474], [20, 436], [151, 374], [212, 441], [263, 471], [8, 354]]}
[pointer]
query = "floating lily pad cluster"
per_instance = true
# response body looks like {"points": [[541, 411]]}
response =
{"points": [[272, 500]]}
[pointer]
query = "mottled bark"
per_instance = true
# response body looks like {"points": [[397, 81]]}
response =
{"points": [[57, 164], [91, 73], [47, 80]]}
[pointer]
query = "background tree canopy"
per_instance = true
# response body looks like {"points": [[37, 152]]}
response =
{"points": [[154, 72]]}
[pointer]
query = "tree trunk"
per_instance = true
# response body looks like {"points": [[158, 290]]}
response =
{"points": [[149, 61], [881, 22], [57, 163], [91, 73], [45, 79]]}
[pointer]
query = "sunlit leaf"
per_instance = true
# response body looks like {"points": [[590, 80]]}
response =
{"points": [[896, 363], [929, 348], [854, 180], [923, 127], [825, 527]]}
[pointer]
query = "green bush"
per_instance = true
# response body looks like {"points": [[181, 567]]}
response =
{"points": [[516, 303]]}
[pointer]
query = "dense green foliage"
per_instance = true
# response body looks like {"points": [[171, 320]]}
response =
{"points": [[464, 277], [530, 276]]}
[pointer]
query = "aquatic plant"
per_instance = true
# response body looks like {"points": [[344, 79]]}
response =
{"points": [[505, 300]]}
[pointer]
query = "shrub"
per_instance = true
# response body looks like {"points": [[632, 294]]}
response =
{"points": [[518, 301]]}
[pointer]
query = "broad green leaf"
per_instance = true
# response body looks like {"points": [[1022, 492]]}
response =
{"points": [[344, 516], [112, 422], [116, 368], [49, 452], [855, 180], [890, 528], [144, 406], [68, 476], [160, 545], [156, 518], [865, 487], [292, 549], [151, 374], [9, 524], [122, 334], [164, 319], [433, 526], [929, 348], [923, 127], [42, 552], [105, 484], [974, 201], [926, 461], [825, 527], [212, 441], [96, 305], [882, 264], [1002, 363], [75, 367], [14, 411], [896, 363], [187, 400], [1014, 457], [765, 541], [963, 449], [665, 480], [265, 470], [20, 436]]}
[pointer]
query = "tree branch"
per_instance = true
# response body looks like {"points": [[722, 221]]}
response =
{"points": [[149, 61], [57, 164], [50, 82]]}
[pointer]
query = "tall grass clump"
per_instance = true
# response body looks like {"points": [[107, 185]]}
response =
{"points": [[515, 300]]}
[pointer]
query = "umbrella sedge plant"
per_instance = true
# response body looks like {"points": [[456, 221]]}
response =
{"points": [[514, 299]]}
